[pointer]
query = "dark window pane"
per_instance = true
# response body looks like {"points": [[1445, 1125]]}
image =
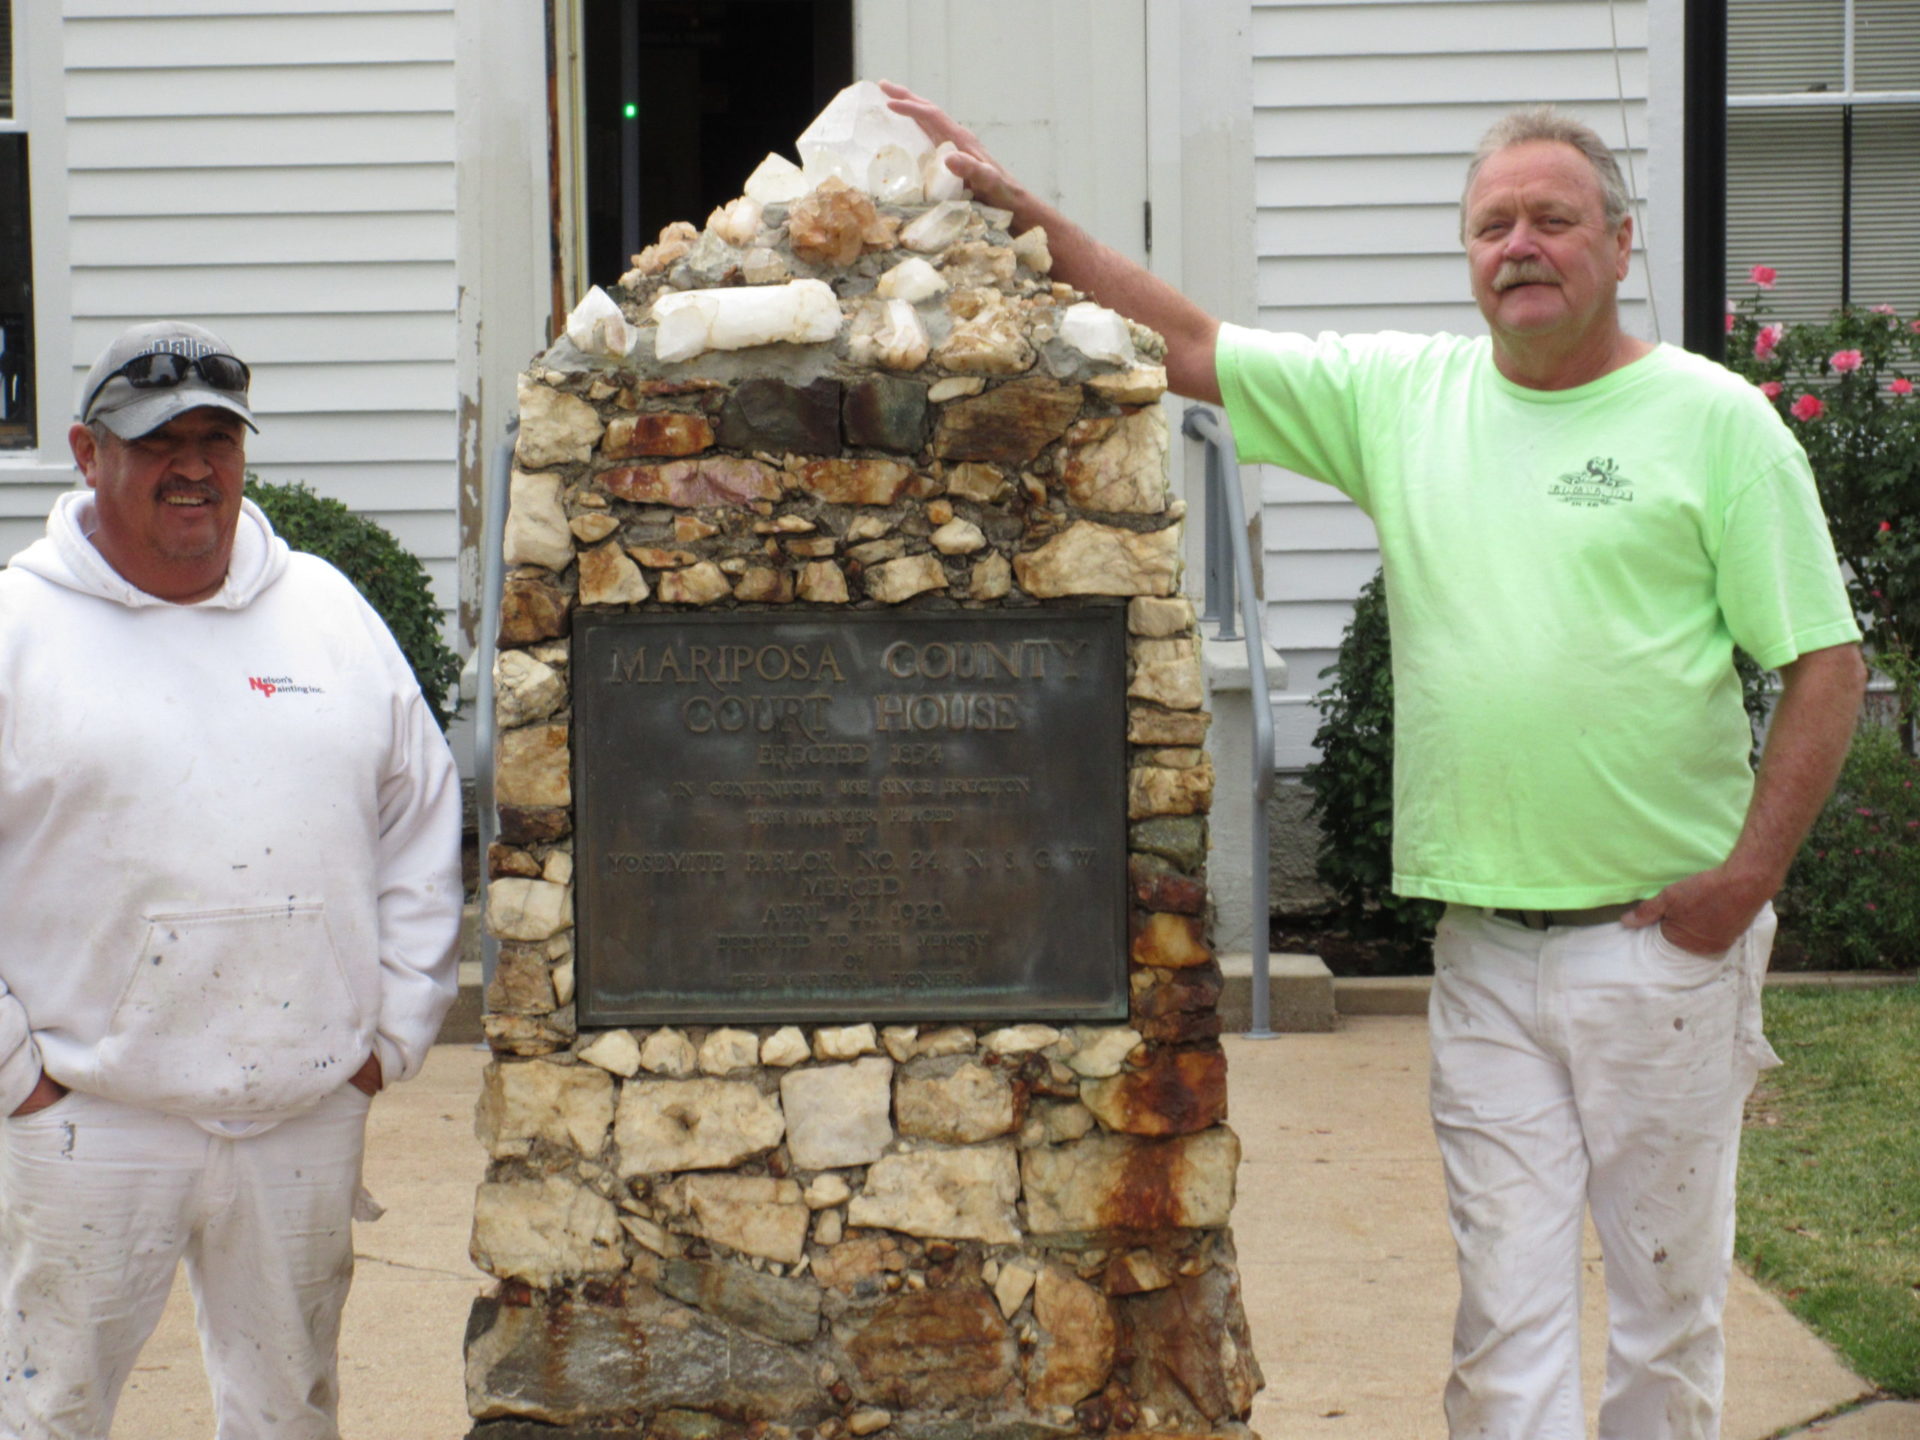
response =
{"points": [[1785, 206], [16, 299], [1886, 215], [6, 60], [683, 98]]}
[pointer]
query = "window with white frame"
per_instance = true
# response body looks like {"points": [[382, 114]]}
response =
{"points": [[1823, 152], [17, 429]]}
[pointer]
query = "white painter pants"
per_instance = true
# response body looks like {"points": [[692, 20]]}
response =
{"points": [[99, 1201], [1600, 1067]]}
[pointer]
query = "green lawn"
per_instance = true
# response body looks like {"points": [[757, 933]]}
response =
{"points": [[1830, 1174]]}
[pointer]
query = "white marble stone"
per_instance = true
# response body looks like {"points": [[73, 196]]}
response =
{"points": [[838, 1114]]}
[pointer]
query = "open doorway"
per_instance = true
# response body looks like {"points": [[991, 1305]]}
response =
{"points": [[682, 99]]}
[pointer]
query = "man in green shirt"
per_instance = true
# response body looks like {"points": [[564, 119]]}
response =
{"points": [[1577, 528]]}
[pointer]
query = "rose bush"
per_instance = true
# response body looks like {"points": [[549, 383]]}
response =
{"points": [[1846, 390]]}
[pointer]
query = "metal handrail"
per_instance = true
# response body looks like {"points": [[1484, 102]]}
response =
{"points": [[493, 569], [1229, 578]]}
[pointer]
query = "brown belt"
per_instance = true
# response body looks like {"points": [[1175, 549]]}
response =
{"points": [[1543, 919]]}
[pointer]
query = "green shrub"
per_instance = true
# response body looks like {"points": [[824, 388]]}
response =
{"points": [[1853, 895], [391, 579], [1352, 781]]}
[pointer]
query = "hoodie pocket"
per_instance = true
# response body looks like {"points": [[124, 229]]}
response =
{"points": [[234, 1012]]}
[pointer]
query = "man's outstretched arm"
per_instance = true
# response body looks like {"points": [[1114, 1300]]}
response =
{"points": [[1079, 259]]}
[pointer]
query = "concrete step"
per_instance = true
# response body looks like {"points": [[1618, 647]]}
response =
{"points": [[1300, 994]]}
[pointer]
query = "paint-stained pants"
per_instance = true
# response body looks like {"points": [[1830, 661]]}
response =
{"points": [[100, 1201], [1597, 1067]]}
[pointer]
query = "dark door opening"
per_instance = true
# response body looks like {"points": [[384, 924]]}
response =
{"points": [[683, 98]]}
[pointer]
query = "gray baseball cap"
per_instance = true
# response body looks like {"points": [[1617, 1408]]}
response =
{"points": [[151, 373]]}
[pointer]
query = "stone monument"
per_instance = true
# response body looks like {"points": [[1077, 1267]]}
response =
{"points": [[856, 1064]]}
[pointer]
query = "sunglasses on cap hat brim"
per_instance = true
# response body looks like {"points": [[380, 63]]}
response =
{"points": [[163, 370]]}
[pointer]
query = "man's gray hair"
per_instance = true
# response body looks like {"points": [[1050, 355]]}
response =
{"points": [[1544, 122]]}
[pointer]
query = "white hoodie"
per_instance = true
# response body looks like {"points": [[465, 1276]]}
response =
{"points": [[229, 835]]}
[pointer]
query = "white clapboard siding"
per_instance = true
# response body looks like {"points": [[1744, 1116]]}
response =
{"points": [[283, 171], [1365, 115]]}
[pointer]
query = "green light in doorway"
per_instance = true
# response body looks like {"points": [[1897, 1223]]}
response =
{"points": [[632, 111]]}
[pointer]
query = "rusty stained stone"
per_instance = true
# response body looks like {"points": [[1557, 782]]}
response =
{"points": [[1076, 1344], [886, 412], [1187, 992], [1007, 425], [1112, 1182], [1193, 1357], [686, 484], [1135, 1272], [534, 824], [768, 414], [1180, 1029], [853, 482], [1157, 886], [1177, 1092], [531, 610], [762, 585], [510, 860], [929, 1349], [1171, 941], [853, 1263], [656, 432]]}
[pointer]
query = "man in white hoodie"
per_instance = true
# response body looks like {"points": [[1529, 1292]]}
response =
{"points": [[229, 835]]}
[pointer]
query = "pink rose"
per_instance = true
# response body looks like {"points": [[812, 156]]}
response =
{"points": [[1729, 321], [1764, 342], [1844, 361], [1885, 525], [1883, 310], [1807, 407], [1900, 385], [1914, 325], [1770, 389], [1764, 276]]}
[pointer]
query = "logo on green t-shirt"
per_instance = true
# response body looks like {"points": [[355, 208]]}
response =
{"points": [[1597, 483]]}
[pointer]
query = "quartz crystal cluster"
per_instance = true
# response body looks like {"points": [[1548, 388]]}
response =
{"points": [[852, 389]]}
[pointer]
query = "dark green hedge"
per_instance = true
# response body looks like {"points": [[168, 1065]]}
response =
{"points": [[393, 581]]}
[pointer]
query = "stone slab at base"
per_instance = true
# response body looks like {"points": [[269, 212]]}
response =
{"points": [[1300, 994]]}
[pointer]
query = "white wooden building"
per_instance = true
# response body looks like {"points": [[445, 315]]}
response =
{"points": [[383, 204]]}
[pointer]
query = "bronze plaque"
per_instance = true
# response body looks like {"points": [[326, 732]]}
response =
{"points": [[855, 816]]}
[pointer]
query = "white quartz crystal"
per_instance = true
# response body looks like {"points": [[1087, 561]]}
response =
{"points": [[864, 143], [1097, 333], [801, 312], [776, 180], [596, 326], [938, 228], [912, 280], [936, 179], [888, 333]]}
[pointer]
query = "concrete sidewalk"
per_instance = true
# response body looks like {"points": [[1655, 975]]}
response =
{"points": [[1343, 1248]]}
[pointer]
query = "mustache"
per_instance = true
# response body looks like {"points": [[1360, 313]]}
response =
{"points": [[197, 489], [1523, 272]]}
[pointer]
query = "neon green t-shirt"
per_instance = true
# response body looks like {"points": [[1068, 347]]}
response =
{"points": [[1567, 573]]}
